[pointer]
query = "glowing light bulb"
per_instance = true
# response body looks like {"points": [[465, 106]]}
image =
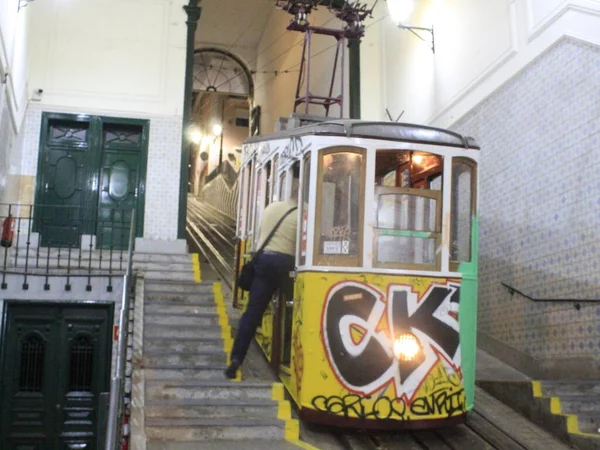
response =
{"points": [[217, 129], [406, 347], [400, 10]]}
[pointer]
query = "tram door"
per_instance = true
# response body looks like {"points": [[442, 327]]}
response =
{"points": [[284, 310]]}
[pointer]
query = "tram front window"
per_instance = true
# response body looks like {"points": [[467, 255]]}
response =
{"points": [[408, 202], [339, 196]]}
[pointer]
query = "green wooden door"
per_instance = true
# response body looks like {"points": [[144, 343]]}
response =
{"points": [[91, 174], [120, 181], [64, 181], [56, 363]]}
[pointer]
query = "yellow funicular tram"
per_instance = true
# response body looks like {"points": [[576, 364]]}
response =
{"points": [[381, 329]]}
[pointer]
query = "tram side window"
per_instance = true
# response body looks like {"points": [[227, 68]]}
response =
{"points": [[463, 177], [268, 183], [249, 196], [258, 206], [408, 201], [282, 180], [304, 207], [338, 234], [273, 191]]}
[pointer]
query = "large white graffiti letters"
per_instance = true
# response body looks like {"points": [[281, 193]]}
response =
{"points": [[360, 324]]}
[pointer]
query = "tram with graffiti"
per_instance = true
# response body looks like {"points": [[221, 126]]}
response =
{"points": [[381, 329]]}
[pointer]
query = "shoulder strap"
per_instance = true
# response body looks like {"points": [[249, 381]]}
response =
{"points": [[275, 229]]}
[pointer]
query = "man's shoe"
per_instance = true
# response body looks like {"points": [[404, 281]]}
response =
{"points": [[231, 371]]}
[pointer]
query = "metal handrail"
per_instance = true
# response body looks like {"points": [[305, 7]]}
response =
{"points": [[512, 291], [115, 408]]}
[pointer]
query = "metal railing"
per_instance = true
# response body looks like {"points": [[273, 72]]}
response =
{"points": [[576, 302], [117, 389], [68, 242]]}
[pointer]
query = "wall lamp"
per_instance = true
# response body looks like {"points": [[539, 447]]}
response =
{"points": [[399, 11], [22, 4]]}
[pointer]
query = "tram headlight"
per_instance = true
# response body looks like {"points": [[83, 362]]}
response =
{"points": [[406, 347]]}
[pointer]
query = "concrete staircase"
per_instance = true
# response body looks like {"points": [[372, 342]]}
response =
{"points": [[568, 409], [185, 396]]}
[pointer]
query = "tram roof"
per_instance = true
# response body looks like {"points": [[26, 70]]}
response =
{"points": [[390, 131]]}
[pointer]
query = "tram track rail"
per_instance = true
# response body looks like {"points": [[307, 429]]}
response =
{"points": [[213, 233], [491, 426]]}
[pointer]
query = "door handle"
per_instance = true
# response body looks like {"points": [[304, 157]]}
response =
{"points": [[46, 187], [77, 446], [58, 406]]}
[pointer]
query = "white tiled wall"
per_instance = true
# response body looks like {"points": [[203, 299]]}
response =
{"points": [[162, 176], [540, 207]]}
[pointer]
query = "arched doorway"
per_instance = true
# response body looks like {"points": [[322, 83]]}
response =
{"points": [[222, 95]]}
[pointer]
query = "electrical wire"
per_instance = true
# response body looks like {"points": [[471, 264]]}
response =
{"points": [[316, 54]]}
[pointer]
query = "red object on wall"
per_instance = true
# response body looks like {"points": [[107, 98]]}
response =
{"points": [[8, 231], [116, 333]]}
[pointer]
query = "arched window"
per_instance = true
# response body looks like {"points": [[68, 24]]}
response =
{"points": [[82, 365], [31, 370], [220, 71]]}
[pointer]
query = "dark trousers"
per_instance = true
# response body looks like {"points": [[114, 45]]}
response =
{"points": [[271, 272]]}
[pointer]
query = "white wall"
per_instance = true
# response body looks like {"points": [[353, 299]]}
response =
{"points": [[479, 46], [13, 87], [281, 50], [110, 55]]}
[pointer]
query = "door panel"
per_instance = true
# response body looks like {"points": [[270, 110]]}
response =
{"points": [[118, 196], [119, 183], [56, 363], [28, 385], [64, 181], [88, 163]]}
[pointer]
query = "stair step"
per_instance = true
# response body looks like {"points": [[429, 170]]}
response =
{"points": [[247, 444], [589, 423], [178, 345], [159, 274], [171, 286], [213, 429], [179, 298], [580, 404], [185, 360], [211, 409], [179, 319], [165, 266], [161, 306], [558, 388], [197, 390], [207, 373], [167, 257], [181, 331]]}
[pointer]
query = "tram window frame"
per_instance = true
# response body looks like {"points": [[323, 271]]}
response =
{"points": [[274, 179], [241, 201], [304, 191], [249, 225], [454, 264], [268, 168], [259, 202], [282, 190], [340, 260], [436, 234]]}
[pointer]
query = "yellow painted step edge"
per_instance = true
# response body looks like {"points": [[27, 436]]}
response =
{"points": [[284, 412], [224, 324], [555, 408], [196, 264]]}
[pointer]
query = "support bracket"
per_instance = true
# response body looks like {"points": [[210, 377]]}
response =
{"points": [[415, 30]]}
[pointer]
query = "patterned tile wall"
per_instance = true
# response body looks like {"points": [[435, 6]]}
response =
{"points": [[162, 176], [540, 205]]}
